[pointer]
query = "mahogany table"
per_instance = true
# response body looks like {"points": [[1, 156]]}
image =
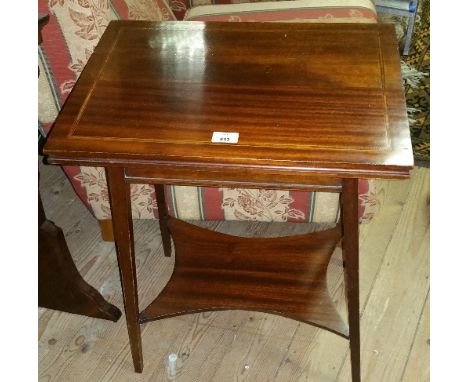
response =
{"points": [[316, 107]]}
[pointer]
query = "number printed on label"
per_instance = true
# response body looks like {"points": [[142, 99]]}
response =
{"points": [[220, 137]]}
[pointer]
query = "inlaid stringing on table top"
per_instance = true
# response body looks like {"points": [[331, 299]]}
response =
{"points": [[330, 103]]}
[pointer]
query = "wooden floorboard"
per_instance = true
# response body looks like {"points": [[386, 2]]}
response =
{"points": [[416, 369], [392, 312], [247, 346]]}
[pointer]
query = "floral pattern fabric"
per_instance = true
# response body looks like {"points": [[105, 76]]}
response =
{"points": [[209, 203], [260, 205]]}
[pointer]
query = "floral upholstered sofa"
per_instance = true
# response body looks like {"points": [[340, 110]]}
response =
{"points": [[72, 33]]}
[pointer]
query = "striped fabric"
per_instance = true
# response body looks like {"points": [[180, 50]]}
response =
{"points": [[68, 41], [210, 203], [213, 203], [324, 11]]}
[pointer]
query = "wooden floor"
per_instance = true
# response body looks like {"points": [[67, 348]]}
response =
{"points": [[247, 346]]}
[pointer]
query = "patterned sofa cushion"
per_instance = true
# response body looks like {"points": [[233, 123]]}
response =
{"points": [[324, 11], [73, 31]]}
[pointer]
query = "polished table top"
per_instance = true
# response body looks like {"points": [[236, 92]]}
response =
{"points": [[326, 99]]}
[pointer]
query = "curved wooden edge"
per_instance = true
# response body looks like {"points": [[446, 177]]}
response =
{"points": [[60, 285], [285, 276], [342, 331], [181, 227]]}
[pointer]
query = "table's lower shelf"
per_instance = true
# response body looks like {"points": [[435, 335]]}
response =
{"points": [[284, 276]]}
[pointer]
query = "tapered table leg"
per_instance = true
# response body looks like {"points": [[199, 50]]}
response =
{"points": [[119, 193], [351, 257], [163, 217]]}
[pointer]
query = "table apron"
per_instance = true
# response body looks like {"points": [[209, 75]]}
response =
{"points": [[233, 177]]}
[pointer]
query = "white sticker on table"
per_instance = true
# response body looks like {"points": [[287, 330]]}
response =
{"points": [[220, 137]]}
